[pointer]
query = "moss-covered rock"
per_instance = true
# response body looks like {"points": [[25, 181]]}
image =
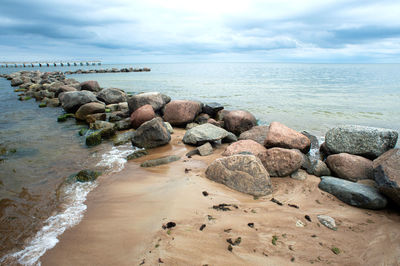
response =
{"points": [[93, 139], [83, 131], [42, 105], [85, 176], [64, 117], [136, 154]]}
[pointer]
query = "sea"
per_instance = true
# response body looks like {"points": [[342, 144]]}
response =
{"points": [[37, 153]]}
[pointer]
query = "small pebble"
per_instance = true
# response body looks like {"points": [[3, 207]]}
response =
{"points": [[251, 225], [308, 218], [202, 227], [205, 193]]}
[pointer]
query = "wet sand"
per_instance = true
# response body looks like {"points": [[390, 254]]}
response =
{"points": [[123, 223]]}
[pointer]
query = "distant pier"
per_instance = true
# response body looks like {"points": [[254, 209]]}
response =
{"points": [[50, 63]]}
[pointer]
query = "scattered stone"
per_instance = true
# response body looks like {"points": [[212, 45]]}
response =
{"points": [[205, 193], [276, 201], [354, 194], [327, 221], [205, 149], [239, 121], [151, 134], [160, 260], [169, 225], [234, 243], [112, 95], [281, 162], [224, 207], [244, 173], [335, 250], [90, 85], [369, 142], [293, 206], [282, 136], [155, 99], [251, 225], [86, 176], [299, 174], [387, 174], [350, 167], [136, 154], [230, 248], [160, 161], [88, 109], [274, 240], [202, 227], [191, 153], [256, 133], [181, 112], [93, 138], [299, 224], [308, 218], [204, 133], [142, 114]]}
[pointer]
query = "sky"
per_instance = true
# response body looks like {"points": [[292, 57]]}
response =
{"points": [[124, 31]]}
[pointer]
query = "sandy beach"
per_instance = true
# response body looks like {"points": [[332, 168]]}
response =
{"points": [[123, 223]]}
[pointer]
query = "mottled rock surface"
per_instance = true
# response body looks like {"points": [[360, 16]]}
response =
{"points": [[281, 162], [151, 134], [204, 133], [181, 112], [350, 167], [239, 121]]}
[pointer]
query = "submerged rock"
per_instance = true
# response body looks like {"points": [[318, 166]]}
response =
{"points": [[160, 161], [387, 174], [151, 134], [204, 133], [93, 138], [136, 154], [369, 142], [87, 176], [354, 194], [239, 121], [350, 167], [244, 173]]}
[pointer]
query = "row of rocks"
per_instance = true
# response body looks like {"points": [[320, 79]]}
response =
{"points": [[111, 70]]}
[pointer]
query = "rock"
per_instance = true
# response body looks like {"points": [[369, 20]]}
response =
{"points": [[313, 140], [151, 134], [214, 122], [256, 133], [94, 117], [204, 133], [52, 102], [71, 101], [136, 154], [90, 85], [205, 149], [245, 146], [181, 112], [354, 194], [160, 161], [64, 117], [327, 221], [16, 82], [155, 99], [191, 125], [169, 128], [87, 176], [142, 114], [221, 114], [93, 138], [123, 124], [281, 136], [212, 109], [300, 174], [230, 138], [88, 109], [350, 167], [123, 107], [281, 162], [113, 107], [365, 141], [106, 129], [244, 173], [112, 95], [64, 88], [387, 174], [319, 168], [202, 118], [123, 138], [239, 121]]}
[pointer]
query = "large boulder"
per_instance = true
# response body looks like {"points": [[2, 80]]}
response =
{"points": [[90, 85], [256, 133], [282, 136], [112, 95], [142, 114], [387, 174], [88, 109], [244, 173], [350, 167], [369, 142], [281, 162], [247, 145], [355, 194], [151, 134], [204, 133], [181, 112], [155, 99], [72, 100], [64, 88], [239, 121], [212, 108]]}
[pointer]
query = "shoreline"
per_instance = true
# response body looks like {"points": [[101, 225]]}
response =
{"points": [[164, 191]]}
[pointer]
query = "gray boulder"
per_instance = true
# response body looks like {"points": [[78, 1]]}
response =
{"points": [[16, 82], [205, 149], [244, 173], [72, 100], [256, 133], [151, 134], [90, 85], [155, 99], [354, 194], [204, 133], [212, 108], [112, 95], [369, 142]]}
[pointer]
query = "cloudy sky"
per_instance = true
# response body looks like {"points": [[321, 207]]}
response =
{"points": [[207, 30]]}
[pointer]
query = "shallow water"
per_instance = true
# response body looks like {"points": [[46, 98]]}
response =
{"points": [[34, 205]]}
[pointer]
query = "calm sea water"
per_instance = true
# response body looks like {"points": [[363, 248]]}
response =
{"points": [[34, 205]]}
